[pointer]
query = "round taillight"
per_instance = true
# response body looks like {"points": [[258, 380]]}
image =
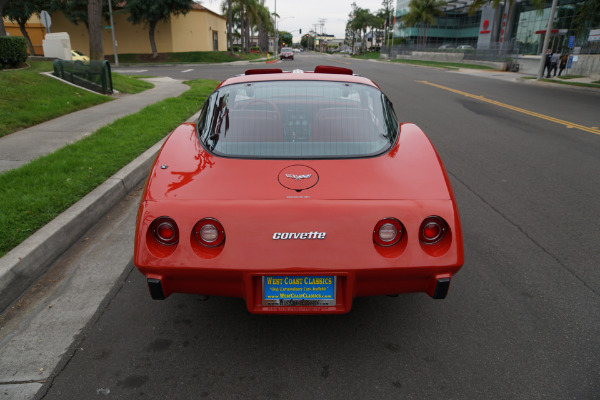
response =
{"points": [[433, 229], [165, 231], [388, 232], [209, 232]]}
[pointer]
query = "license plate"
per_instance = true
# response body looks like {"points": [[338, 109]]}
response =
{"points": [[299, 290]]}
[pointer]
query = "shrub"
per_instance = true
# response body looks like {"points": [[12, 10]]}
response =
{"points": [[13, 50]]}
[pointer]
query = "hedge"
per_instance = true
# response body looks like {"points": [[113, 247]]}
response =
{"points": [[13, 50]]}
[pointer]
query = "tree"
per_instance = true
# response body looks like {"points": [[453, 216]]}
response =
{"points": [[2, 29], [387, 14], [351, 32], [91, 14], [285, 37], [76, 11], [587, 16], [95, 30], [229, 26], [362, 20], [265, 26], [422, 13], [151, 12], [20, 12]]}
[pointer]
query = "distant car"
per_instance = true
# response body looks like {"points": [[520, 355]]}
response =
{"points": [[78, 56], [298, 192], [465, 47], [446, 46], [286, 53]]}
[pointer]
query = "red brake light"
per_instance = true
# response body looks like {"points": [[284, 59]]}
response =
{"points": [[388, 232], [165, 231], [209, 232], [432, 230]]}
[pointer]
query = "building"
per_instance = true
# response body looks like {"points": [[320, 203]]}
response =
{"points": [[35, 31], [199, 30], [521, 26]]}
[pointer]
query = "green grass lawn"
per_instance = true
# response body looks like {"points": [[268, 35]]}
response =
{"points": [[370, 55], [595, 85], [130, 83], [28, 98], [33, 195]]}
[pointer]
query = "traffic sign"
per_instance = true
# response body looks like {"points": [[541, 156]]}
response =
{"points": [[46, 20]]}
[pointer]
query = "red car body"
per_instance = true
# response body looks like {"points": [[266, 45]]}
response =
{"points": [[286, 54], [300, 235]]}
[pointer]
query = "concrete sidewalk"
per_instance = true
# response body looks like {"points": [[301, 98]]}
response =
{"points": [[23, 265], [21, 147]]}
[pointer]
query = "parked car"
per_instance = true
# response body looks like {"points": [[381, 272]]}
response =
{"points": [[298, 192], [78, 56], [286, 53], [446, 46], [465, 47]]}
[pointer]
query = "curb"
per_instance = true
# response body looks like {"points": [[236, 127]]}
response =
{"points": [[24, 264]]}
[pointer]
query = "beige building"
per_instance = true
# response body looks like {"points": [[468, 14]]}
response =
{"points": [[199, 30], [35, 30]]}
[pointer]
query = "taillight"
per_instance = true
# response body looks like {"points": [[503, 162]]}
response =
{"points": [[388, 232], [209, 232], [432, 230], [165, 231]]}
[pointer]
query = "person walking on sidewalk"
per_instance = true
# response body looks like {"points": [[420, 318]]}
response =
{"points": [[554, 60], [548, 63], [563, 63]]}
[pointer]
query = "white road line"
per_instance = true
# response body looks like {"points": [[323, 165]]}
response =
{"points": [[187, 70], [129, 71]]}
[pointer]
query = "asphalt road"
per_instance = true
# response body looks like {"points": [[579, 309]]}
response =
{"points": [[521, 321]]}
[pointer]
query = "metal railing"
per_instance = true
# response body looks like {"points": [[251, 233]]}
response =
{"points": [[93, 75]]}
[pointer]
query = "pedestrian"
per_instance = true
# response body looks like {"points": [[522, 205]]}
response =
{"points": [[548, 63], [563, 63], [554, 60]]}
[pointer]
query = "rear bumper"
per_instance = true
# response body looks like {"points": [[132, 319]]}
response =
{"points": [[349, 285]]}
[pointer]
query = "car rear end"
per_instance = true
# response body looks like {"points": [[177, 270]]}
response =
{"points": [[314, 197]]}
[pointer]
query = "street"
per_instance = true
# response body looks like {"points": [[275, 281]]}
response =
{"points": [[521, 320]]}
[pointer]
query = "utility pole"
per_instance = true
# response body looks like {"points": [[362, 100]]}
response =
{"points": [[112, 29], [321, 23]]}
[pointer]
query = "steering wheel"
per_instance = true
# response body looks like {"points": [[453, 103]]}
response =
{"points": [[261, 105]]}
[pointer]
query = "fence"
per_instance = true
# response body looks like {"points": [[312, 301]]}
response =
{"points": [[494, 53], [93, 75]]}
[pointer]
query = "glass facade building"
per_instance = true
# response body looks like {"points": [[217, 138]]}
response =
{"points": [[521, 26]]}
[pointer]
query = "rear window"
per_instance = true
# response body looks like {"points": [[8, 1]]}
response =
{"points": [[297, 119]]}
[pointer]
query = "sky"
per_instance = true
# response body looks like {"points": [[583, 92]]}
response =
{"points": [[304, 14]]}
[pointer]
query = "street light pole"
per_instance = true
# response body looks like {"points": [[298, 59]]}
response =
{"points": [[112, 29], [276, 32]]}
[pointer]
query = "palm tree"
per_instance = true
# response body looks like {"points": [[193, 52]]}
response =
{"points": [[229, 25], [362, 20], [422, 13], [265, 26]]}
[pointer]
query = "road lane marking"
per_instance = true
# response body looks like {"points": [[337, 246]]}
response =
{"points": [[129, 71], [187, 70], [567, 124]]}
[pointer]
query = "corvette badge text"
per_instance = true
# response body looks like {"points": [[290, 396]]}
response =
{"points": [[299, 235]]}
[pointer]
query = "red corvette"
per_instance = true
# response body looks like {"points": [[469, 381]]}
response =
{"points": [[298, 192]]}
